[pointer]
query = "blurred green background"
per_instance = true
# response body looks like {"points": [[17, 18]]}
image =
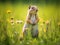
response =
{"points": [[49, 24]]}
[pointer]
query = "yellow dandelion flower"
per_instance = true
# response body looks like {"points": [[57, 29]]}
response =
{"points": [[58, 23], [42, 25], [47, 22], [44, 30], [41, 20], [8, 11]]}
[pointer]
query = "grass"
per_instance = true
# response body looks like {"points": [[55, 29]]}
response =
{"points": [[10, 34]]}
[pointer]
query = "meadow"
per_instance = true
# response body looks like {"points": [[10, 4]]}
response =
{"points": [[49, 24]]}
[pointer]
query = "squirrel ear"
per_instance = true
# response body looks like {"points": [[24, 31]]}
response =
{"points": [[29, 6]]}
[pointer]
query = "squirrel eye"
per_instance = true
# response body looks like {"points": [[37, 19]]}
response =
{"points": [[32, 7]]}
